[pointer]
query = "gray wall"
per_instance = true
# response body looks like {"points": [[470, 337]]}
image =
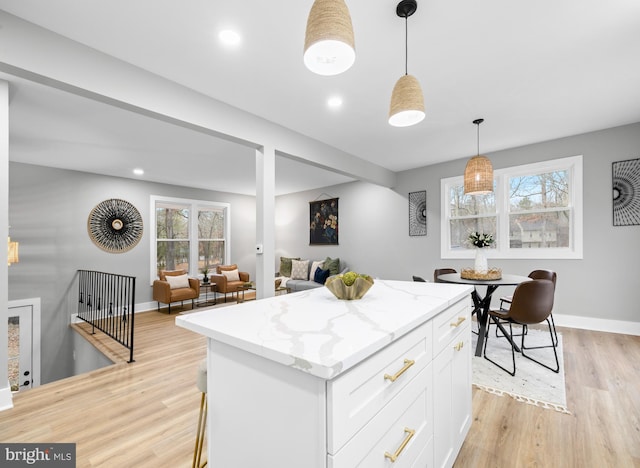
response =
{"points": [[48, 210], [374, 227]]}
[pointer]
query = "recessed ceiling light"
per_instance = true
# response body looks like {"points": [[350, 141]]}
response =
{"points": [[229, 37], [335, 102], [138, 171]]}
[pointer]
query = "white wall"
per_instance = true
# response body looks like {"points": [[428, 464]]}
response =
{"points": [[374, 236]]}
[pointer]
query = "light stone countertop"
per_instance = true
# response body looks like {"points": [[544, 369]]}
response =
{"points": [[319, 334]]}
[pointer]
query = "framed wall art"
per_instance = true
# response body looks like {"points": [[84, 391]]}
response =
{"points": [[626, 192], [418, 213], [323, 222]]}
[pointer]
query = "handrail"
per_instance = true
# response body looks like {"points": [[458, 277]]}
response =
{"points": [[106, 301]]}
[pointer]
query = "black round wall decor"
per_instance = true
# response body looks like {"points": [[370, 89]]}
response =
{"points": [[115, 225]]}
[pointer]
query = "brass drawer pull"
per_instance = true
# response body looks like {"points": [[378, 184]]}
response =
{"points": [[410, 433], [407, 363], [457, 324], [459, 346]]}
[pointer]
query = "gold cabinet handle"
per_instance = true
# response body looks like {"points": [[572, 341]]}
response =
{"points": [[459, 346], [407, 363], [410, 433], [460, 320]]}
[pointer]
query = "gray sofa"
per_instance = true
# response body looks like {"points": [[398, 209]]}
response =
{"points": [[296, 285]]}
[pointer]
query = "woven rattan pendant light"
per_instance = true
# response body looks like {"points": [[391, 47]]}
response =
{"points": [[329, 47], [478, 174], [407, 102]]}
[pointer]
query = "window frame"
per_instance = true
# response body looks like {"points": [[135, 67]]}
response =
{"points": [[573, 166], [193, 206]]}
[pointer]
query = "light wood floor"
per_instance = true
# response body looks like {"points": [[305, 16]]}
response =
{"points": [[144, 414], [602, 376]]}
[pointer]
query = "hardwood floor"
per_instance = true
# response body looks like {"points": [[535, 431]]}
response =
{"points": [[144, 414], [602, 374]]}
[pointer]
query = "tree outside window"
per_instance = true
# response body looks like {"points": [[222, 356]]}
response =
{"points": [[190, 235]]}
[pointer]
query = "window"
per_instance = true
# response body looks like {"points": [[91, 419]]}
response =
{"points": [[535, 211], [189, 234]]}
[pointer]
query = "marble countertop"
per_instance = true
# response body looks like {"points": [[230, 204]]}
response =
{"points": [[319, 334]]}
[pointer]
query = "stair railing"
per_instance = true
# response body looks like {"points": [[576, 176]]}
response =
{"points": [[106, 301]]}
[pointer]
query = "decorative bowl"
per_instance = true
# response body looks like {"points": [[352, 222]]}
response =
{"points": [[357, 290], [490, 274]]}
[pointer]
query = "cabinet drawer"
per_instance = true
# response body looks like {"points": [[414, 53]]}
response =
{"points": [[410, 410], [449, 323], [356, 396]]}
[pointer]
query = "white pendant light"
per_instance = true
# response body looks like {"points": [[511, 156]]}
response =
{"points": [[329, 46], [407, 102], [478, 174]]}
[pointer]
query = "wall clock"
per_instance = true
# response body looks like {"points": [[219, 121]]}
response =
{"points": [[115, 225]]}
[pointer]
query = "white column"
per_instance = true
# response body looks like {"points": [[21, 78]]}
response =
{"points": [[5, 389], [265, 221]]}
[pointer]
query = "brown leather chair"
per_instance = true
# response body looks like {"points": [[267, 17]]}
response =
{"points": [[441, 271], [162, 291], [226, 286], [532, 303], [537, 274]]}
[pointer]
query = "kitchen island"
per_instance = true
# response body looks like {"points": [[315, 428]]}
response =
{"points": [[307, 380]]}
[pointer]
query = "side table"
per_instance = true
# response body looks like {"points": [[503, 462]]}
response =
{"points": [[207, 288]]}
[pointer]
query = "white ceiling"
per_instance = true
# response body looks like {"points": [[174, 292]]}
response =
{"points": [[534, 71]]}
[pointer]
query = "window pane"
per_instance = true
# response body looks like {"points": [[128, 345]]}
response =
{"points": [[539, 230], [210, 254], [173, 255], [172, 223], [469, 205], [533, 192], [211, 224], [461, 228]]}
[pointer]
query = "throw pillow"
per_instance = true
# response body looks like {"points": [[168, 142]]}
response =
{"points": [[314, 266], [300, 269], [333, 265], [321, 276], [231, 275], [285, 265], [180, 281]]}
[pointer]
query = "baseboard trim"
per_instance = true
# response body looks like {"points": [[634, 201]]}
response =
{"points": [[142, 307], [597, 324], [6, 398]]}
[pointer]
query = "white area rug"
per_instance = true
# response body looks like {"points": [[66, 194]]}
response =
{"points": [[532, 384]]}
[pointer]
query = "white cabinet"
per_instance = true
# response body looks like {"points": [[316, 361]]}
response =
{"points": [[452, 384], [308, 381]]}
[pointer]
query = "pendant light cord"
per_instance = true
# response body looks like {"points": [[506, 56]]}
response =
{"points": [[406, 45], [478, 139]]}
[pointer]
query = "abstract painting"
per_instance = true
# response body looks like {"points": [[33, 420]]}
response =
{"points": [[626, 192], [418, 213]]}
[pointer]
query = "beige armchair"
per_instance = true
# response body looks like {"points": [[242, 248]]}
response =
{"points": [[228, 279], [174, 286]]}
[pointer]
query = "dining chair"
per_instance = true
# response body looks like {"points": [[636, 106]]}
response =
{"points": [[531, 303], [419, 279], [441, 271], [537, 274]]}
